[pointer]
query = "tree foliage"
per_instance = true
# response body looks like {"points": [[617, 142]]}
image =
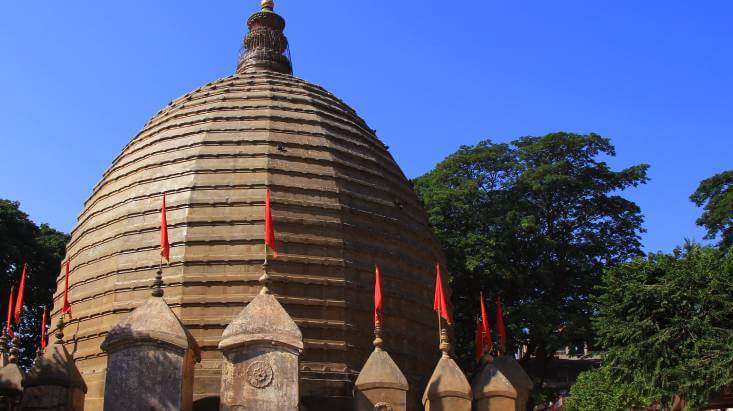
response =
{"points": [[42, 248], [595, 390], [716, 195], [666, 323], [535, 222]]}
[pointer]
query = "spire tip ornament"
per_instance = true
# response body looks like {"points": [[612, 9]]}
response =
{"points": [[444, 343], [4, 338], [264, 280], [265, 46], [14, 344], [378, 341], [60, 331], [158, 284]]}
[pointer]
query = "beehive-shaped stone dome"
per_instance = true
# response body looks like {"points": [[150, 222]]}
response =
{"points": [[340, 204]]}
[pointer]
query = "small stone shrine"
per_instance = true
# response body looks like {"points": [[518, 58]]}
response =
{"points": [[492, 390], [448, 388], [11, 376], [54, 383], [151, 357], [381, 385], [261, 349], [519, 379]]}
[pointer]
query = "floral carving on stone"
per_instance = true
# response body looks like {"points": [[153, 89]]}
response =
{"points": [[259, 374]]}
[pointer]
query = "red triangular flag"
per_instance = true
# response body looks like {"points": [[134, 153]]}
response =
{"points": [[9, 321], [485, 324], [43, 329], [479, 340], [269, 229], [165, 247], [377, 297], [500, 326], [21, 295], [439, 303], [67, 305]]}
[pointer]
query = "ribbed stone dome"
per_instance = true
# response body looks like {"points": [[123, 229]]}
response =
{"points": [[340, 205]]}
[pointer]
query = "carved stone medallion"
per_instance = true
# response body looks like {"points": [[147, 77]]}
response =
{"points": [[259, 374]]}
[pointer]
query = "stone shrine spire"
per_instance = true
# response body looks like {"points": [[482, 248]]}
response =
{"points": [[265, 46]]}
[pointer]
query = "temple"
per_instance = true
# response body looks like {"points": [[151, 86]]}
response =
{"points": [[340, 204]]}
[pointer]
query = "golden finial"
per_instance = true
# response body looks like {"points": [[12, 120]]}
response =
{"points": [[267, 5]]}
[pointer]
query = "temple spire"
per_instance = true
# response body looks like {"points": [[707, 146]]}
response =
{"points": [[265, 46]]}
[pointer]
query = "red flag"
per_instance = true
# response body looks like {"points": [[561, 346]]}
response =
{"points": [[500, 326], [485, 324], [269, 229], [67, 305], [165, 247], [9, 321], [21, 295], [43, 329], [439, 303], [377, 296], [479, 340]]}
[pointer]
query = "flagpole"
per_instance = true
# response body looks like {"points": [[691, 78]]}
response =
{"points": [[439, 327]]}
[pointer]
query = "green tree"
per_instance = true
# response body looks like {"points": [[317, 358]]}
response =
{"points": [[535, 222], [42, 248], [716, 195], [666, 323], [595, 390]]}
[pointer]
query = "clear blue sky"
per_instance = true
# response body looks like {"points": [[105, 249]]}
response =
{"points": [[79, 78]]}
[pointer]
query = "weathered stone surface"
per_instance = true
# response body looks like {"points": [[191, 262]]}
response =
{"points": [[11, 376], [519, 379], [11, 381], [492, 390], [448, 388], [150, 363], [260, 377], [261, 348], [380, 385], [340, 204], [154, 322], [262, 320], [54, 383]]}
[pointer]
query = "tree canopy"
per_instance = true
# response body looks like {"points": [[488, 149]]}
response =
{"points": [[42, 248], [595, 390], [666, 323], [716, 195], [535, 222]]}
